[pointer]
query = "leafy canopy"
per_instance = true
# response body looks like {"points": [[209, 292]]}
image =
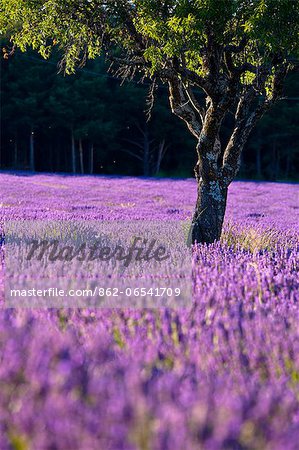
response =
{"points": [[154, 33]]}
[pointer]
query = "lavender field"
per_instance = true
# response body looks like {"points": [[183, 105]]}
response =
{"points": [[220, 374]]}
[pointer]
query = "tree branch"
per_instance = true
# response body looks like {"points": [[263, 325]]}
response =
{"points": [[182, 107], [200, 109], [246, 120], [135, 155]]}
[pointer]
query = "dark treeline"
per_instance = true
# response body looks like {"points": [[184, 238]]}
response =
{"points": [[90, 123]]}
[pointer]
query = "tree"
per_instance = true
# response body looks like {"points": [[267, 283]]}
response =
{"points": [[23, 108], [238, 52], [146, 151], [80, 108]]}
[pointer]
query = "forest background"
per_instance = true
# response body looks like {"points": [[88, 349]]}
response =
{"points": [[91, 123]]}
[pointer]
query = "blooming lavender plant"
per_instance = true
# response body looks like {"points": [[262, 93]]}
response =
{"points": [[221, 374]]}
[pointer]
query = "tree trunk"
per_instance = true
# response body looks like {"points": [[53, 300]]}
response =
{"points": [[274, 163], [32, 158], [73, 152], [16, 153], [57, 157], [277, 166], [51, 158], [81, 156], [258, 162], [209, 212], [91, 159], [288, 164], [146, 154], [162, 148]]}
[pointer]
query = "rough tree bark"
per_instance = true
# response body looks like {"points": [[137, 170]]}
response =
{"points": [[209, 212], [211, 193]]}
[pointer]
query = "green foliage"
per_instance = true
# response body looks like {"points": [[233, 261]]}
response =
{"points": [[118, 339], [44, 24], [84, 29], [18, 441]]}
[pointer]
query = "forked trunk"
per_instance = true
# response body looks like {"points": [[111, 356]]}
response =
{"points": [[217, 167], [209, 212]]}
